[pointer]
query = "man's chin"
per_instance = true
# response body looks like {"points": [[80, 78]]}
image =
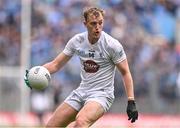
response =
{"points": [[97, 36]]}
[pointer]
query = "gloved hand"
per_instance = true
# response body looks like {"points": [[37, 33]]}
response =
{"points": [[132, 111], [26, 79]]}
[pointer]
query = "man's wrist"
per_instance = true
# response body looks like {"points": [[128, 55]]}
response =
{"points": [[130, 98], [130, 102]]}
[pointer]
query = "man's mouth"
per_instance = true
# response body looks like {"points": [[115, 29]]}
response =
{"points": [[97, 33]]}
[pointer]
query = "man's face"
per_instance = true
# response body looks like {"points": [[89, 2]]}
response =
{"points": [[94, 25]]}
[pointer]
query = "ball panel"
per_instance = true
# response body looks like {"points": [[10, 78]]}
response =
{"points": [[39, 77]]}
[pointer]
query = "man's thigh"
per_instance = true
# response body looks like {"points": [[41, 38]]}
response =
{"points": [[62, 116], [91, 112]]}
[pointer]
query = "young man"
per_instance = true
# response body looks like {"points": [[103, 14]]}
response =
{"points": [[99, 54]]}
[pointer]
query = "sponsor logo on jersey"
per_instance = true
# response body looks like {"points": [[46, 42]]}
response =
{"points": [[90, 66]]}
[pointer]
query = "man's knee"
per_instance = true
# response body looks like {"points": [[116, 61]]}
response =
{"points": [[49, 124], [53, 124], [82, 122]]}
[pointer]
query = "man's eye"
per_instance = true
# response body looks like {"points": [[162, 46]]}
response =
{"points": [[100, 23], [93, 23]]}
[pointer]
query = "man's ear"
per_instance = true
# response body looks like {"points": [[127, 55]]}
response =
{"points": [[85, 23]]}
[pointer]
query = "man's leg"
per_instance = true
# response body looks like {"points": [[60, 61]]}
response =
{"points": [[91, 112], [63, 115]]}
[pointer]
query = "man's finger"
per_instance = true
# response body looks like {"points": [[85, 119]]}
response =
{"points": [[133, 120], [134, 117], [27, 73]]}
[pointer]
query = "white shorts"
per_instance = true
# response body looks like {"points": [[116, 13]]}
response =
{"points": [[78, 98]]}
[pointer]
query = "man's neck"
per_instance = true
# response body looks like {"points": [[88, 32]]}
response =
{"points": [[92, 40]]}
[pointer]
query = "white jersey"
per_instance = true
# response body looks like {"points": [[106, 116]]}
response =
{"points": [[97, 60]]}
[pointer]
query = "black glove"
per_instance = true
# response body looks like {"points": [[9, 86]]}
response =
{"points": [[26, 79], [132, 111]]}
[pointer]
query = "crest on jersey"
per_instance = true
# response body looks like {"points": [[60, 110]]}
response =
{"points": [[90, 66]]}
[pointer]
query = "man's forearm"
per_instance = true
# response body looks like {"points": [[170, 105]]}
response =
{"points": [[128, 83], [57, 63], [52, 68]]}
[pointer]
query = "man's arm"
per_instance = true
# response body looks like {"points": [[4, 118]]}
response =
{"points": [[52, 66], [57, 63], [132, 112], [123, 67]]}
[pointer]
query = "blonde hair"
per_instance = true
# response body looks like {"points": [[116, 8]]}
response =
{"points": [[92, 10]]}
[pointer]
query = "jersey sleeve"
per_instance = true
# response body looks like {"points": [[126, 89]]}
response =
{"points": [[117, 52], [69, 48]]}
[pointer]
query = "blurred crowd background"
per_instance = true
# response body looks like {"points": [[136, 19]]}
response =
{"points": [[149, 31]]}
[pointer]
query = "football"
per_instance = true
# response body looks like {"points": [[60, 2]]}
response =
{"points": [[39, 77]]}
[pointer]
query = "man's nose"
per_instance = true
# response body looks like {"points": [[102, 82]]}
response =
{"points": [[97, 26]]}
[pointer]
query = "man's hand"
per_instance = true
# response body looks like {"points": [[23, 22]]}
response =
{"points": [[26, 79], [132, 111]]}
